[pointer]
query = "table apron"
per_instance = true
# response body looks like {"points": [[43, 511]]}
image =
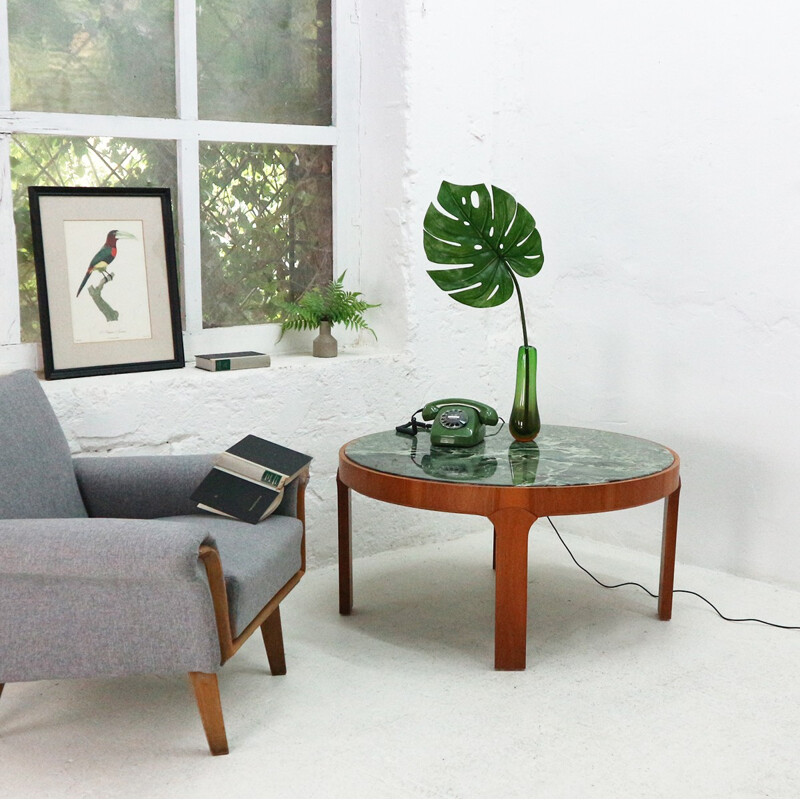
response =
{"points": [[484, 499]]}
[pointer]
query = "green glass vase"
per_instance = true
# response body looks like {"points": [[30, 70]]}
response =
{"points": [[524, 423]]}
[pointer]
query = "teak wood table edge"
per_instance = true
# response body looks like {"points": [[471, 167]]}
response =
{"points": [[512, 510]]}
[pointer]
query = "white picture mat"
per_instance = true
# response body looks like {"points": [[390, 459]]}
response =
{"points": [[157, 345]]}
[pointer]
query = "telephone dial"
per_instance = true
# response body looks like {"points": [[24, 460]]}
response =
{"points": [[457, 422]]}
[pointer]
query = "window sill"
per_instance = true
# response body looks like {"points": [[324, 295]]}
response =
{"points": [[14, 357], [346, 359]]}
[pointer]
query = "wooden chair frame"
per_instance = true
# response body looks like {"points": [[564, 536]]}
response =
{"points": [[205, 684]]}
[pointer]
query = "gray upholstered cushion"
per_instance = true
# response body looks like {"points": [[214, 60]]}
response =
{"points": [[145, 487], [257, 560], [99, 549], [36, 474], [86, 597], [119, 593], [140, 487]]}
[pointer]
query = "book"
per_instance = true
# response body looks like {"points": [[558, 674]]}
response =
{"points": [[221, 362], [261, 460], [230, 495]]}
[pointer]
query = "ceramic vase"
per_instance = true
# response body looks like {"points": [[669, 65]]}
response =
{"points": [[524, 423], [325, 346]]}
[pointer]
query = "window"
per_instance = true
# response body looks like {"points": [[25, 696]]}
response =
{"points": [[227, 103]]}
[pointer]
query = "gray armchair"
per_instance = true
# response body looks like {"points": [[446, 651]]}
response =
{"points": [[108, 568]]}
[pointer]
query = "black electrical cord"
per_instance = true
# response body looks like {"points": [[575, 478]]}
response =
{"points": [[502, 422], [410, 428], [675, 591]]}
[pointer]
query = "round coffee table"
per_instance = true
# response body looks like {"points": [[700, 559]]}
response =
{"points": [[565, 470]]}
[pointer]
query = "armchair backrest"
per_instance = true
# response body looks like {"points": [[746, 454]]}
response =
{"points": [[37, 479]]}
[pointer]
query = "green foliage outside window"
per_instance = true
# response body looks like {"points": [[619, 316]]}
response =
{"points": [[266, 232], [265, 210], [266, 228], [71, 161], [93, 56], [276, 71]]}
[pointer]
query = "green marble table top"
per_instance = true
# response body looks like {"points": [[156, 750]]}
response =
{"points": [[560, 456]]}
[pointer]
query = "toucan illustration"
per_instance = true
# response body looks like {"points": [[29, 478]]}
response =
{"points": [[104, 256]]}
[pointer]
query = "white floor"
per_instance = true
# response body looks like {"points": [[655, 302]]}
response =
{"points": [[400, 699]]}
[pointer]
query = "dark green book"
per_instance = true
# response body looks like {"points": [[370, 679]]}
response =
{"points": [[232, 495]]}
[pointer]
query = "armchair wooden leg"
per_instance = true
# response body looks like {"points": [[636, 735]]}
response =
{"points": [[2, 686], [273, 642], [206, 692]]}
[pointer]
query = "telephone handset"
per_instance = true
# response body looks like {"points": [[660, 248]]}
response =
{"points": [[458, 422]]}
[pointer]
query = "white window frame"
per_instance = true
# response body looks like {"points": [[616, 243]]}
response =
{"points": [[188, 131]]}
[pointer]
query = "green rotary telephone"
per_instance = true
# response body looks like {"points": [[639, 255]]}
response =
{"points": [[458, 422]]}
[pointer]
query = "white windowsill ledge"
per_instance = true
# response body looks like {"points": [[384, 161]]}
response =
{"points": [[28, 356]]}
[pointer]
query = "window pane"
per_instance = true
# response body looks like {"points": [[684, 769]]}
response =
{"points": [[266, 228], [265, 60], [62, 161], [93, 56]]}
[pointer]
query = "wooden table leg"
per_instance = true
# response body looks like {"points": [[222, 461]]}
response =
{"points": [[511, 587], [668, 541], [345, 549]]}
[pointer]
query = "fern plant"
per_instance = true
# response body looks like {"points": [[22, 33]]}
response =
{"points": [[331, 303]]}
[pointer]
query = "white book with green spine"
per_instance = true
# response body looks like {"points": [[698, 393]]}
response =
{"points": [[261, 460], [222, 362]]}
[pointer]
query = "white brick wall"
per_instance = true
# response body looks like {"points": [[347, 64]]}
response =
{"points": [[657, 148]]}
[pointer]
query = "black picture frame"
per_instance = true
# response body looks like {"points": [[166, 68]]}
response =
{"points": [[93, 322]]}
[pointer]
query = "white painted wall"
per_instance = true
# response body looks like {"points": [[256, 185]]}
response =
{"points": [[657, 147], [316, 405]]}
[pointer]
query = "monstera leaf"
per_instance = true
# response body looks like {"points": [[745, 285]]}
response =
{"points": [[489, 235]]}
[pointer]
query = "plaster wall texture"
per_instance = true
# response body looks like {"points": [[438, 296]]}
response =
{"points": [[656, 147], [316, 405]]}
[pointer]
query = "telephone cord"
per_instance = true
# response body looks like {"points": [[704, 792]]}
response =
{"points": [[675, 591], [499, 428]]}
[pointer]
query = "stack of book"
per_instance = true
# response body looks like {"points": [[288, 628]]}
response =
{"points": [[247, 480]]}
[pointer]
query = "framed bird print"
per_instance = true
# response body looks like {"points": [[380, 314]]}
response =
{"points": [[107, 280]]}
